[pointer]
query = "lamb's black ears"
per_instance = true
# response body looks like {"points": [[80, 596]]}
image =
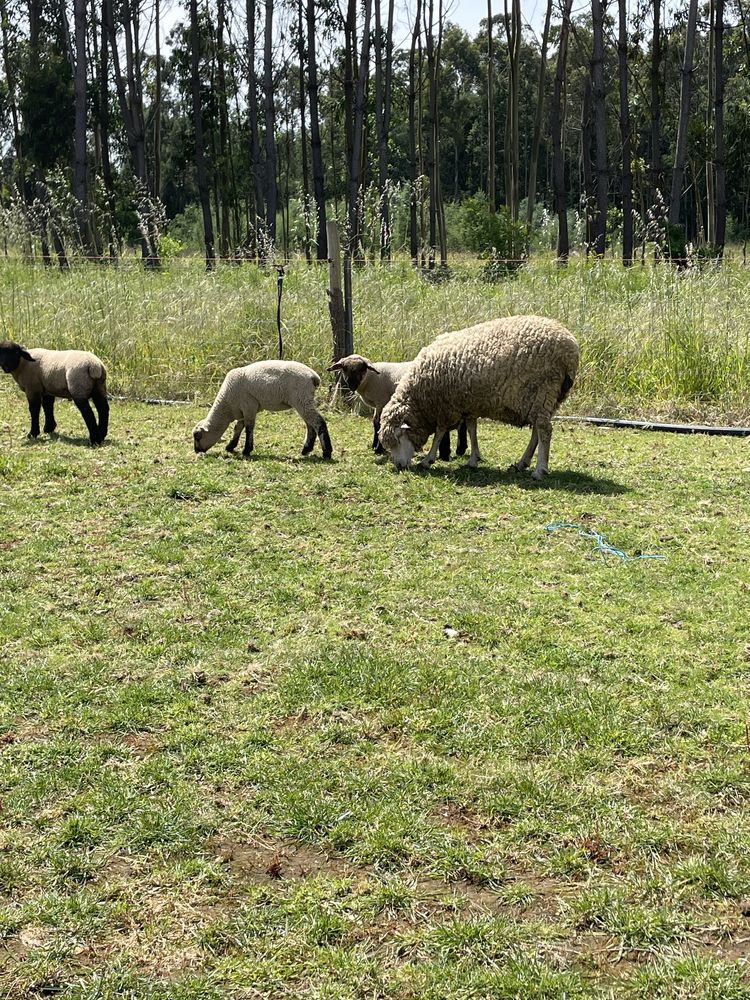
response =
{"points": [[25, 354], [372, 369], [335, 367]]}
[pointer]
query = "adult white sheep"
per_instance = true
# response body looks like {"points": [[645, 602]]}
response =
{"points": [[375, 382], [45, 375], [263, 385], [516, 370]]}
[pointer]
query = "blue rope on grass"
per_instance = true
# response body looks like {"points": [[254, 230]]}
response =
{"points": [[602, 545]]}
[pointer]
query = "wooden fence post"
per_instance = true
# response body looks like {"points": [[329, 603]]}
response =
{"points": [[335, 294]]}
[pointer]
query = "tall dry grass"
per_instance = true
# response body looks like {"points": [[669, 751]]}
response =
{"points": [[654, 340]]}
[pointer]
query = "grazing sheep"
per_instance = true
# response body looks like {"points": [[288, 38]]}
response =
{"points": [[516, 370], [376, 382], [264, 385], [44, 375]]}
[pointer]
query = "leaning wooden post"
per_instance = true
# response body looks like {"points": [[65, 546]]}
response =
{"points": [[335, 294]]}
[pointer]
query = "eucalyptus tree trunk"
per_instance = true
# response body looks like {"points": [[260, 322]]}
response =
{"points": [[588, 197], [271, 186], [157, 100], [130, 98], [686, 93], [10, 77], [80, 170], [536, 141], [103, 98], [303, 130], [315, 141], [224, 178], [491, 168], [600, 128], [430, 128], [719, 144], [256, 161], [200, 155], [557, 117], [656, 166], [412, 102], [710, 174], [512, 144], [358, 134], [625, 133], [383, 100]]}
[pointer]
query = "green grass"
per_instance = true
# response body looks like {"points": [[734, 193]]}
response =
{"points": [[242, 757], [655, 340]]}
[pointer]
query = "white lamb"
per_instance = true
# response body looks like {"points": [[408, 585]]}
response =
{"points": [[263, 385], [375, 382], [45, 375], [516, 370]]}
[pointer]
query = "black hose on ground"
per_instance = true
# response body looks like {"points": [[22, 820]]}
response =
{"points": [[651, 425]]}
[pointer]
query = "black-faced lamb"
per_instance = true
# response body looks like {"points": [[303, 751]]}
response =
{"points": [[375, 382], [45, 375], [516, 370], [263, 385]]}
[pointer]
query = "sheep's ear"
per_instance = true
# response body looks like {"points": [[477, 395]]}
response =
{"points": [[372, 369], [336, 367], [25, 354]]}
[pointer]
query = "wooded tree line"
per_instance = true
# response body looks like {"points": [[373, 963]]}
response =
{"points": [[272, 116]]}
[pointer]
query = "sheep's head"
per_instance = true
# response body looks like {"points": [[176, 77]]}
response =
{"points": [[11, 355], [398, 436], [352, 370], [203, 438]]}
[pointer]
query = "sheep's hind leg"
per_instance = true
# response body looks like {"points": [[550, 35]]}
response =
{"points": [[248, 448], [543, 428], [444, 449], [88, 418], [236, 434], [35, 405], [309, 444], [324, 438], [461, 442], [431, 455], [48, 402], [100, 401], [525, 460], [476, 456]]}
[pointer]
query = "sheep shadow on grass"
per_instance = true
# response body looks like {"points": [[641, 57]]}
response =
{"points": [[563, 479]]}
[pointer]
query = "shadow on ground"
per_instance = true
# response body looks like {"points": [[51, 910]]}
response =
{"points": [[571, 482]]}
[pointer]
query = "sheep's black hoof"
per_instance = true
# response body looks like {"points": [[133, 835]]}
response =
{"points": [[50, 430], [461, 449], [328, 453], [306, 449], [231, 446], [378, 449]]}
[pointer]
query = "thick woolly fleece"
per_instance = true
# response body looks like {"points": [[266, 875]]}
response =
{"points": [[263, 385], [516, 370]]}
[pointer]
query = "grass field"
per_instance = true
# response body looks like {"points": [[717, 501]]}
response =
{"points": [[655, 340], [282, 728]]}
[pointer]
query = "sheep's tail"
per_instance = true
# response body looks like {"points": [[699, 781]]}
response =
{"points": [[315, 379], [97, 371]]}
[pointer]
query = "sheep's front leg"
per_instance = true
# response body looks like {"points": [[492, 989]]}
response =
{"points": [[525, 460], [543, 427], [431, 455], [35, 405], [475, 457], [48, 402], [236, 433], [444, 449], [89, 419]]}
